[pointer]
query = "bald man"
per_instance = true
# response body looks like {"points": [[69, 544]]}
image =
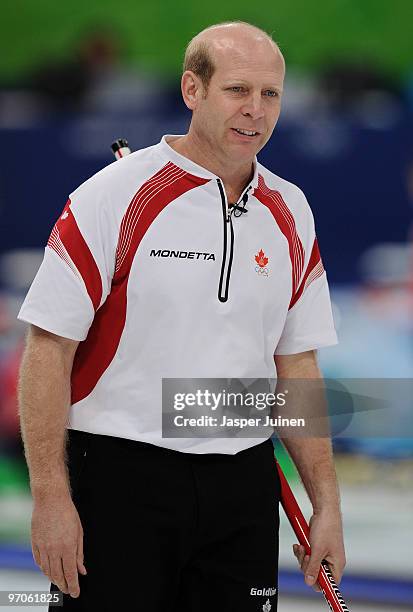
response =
{"points": [[191, 260]]}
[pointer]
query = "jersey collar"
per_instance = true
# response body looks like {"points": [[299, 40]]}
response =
{"points": [[169, 154]]}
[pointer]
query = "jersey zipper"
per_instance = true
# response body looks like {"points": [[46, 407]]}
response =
{"points": [[228, 250]]}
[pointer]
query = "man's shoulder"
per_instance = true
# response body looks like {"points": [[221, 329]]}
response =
{"points": [[121, 177], [292, 196], [289, 191]]}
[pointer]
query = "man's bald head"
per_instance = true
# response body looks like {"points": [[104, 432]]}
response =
{"points": [[202, 52]]}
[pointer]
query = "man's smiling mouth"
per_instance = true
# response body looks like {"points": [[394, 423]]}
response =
{"points": [[250, 133]]}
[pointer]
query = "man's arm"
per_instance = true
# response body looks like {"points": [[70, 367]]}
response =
{"points": [[313, 458], [44, 400]]}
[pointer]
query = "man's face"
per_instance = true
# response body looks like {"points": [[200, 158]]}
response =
{"points": [[244, 94]]}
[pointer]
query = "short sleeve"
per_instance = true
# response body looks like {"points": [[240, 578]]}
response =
{"points": [[309, 323], [75, 275]]}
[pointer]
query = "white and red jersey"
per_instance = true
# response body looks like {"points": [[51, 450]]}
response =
{"points": [[158, 277]]}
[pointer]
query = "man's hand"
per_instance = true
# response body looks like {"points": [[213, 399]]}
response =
{"points": [[326, 542], [57, 542]]}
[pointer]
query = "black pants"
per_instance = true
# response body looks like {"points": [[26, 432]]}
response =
{"points": [[166, 531]]}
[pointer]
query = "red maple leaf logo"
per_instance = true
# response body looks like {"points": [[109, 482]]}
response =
{"points": [[261, 259]]}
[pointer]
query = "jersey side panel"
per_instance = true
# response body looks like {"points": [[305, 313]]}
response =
{"points": [[97, 352], [309, 322]]}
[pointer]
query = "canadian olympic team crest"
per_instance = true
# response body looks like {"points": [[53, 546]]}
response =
{"points": [[262, 269]]}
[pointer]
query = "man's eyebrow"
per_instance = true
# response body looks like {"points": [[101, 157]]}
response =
{"points": [[236, 81]]}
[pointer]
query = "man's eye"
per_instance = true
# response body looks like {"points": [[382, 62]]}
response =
{"points": [[237, 89], [271, 94]]}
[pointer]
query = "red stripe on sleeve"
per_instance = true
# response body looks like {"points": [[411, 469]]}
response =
{"points": [[68, 242], [314, 269]]}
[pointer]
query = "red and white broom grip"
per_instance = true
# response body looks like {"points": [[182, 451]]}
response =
{"points": [[301, 529]]}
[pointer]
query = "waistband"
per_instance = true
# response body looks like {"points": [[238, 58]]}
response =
{"points": [[88, 440]]}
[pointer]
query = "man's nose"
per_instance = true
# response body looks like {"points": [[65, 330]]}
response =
{"points": [[254, 106]]}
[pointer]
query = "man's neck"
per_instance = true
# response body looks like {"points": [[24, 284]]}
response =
{"points": [[235, 178]]}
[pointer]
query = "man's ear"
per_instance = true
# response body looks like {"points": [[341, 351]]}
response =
{"points": [[192, 89]]}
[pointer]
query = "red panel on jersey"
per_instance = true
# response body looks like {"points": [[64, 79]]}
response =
{"points": [[314, 269], [67, 241], [95, 354], [285, 221]]}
